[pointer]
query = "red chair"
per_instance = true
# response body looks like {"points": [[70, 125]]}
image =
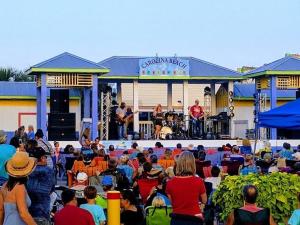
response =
{"points": [[145, 186]]}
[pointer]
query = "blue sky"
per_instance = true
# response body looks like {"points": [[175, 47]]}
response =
{"points": [[230, 33]]}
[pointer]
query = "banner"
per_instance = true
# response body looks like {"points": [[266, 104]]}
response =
{"points": [[164, 66]]}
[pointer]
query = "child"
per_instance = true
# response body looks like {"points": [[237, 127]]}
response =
{"points": [[215, 179], [90, 193], [107, 185], [295, 218]]}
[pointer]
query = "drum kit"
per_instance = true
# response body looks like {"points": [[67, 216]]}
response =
{"points": [[173, 127]]}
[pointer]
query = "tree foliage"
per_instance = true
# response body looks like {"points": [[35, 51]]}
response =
{"points": [[11, 74], [277, 191]]}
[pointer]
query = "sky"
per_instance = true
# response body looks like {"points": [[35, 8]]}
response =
{"points": [[230, 33]]}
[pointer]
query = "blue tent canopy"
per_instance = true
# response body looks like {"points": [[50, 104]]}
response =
{"points": [[286, 117]]}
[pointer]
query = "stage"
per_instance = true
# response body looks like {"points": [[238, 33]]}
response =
{"points": [[124, 144]]}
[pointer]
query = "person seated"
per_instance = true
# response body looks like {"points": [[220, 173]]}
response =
{"points": [[124, 159], [167, 154], [131, 214], [265, 163], [286, 152], [201, 163], [266, 148], [177, 150], [90, 194], [250, 213], [71, 213], [119, 174], [248, 166], [155, 165], [246, 147], [107, 185], [215, 178], [295, 217], [159, 191], [236, 154]]}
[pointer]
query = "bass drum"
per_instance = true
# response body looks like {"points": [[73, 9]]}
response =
{"points": [[165, 133]]}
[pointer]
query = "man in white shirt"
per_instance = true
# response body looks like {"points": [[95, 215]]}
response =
{"points": [[120, 119]]}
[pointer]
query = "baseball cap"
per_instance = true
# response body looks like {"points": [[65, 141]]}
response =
{"points": [[82, 177], [107, 180]]}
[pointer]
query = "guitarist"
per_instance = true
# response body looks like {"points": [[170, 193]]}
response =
{"points": [[196, 116], [121, 120]]}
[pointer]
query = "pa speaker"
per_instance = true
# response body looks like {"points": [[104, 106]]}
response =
{"points": [[59, 101]]}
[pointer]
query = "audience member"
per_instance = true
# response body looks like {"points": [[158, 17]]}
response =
{"points": [[90, 194], [250, 213], [131, 214], [44, 144], [71, 213], [215, 178], [185, 206], [286, 152], [14, 200], [295, 218], [30, 134], [6, 152], [248, 166], [40, 185], [124, 159]]}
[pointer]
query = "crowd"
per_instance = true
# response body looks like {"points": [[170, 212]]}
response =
{"points": [[158, 185]]}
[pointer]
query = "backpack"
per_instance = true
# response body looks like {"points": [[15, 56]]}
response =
{"points": [[158, 216]]}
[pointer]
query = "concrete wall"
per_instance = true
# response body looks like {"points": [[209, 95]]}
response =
{"points": [[23, 112]]}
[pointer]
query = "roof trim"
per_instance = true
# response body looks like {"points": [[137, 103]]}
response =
{"points": [[268, 98], [65, 70], [273, 72], [7, 97], [172, 77]]}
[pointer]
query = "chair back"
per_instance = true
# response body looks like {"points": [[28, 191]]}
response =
{"points": [[165, 163]]}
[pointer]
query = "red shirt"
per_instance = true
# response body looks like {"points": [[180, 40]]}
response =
{"points": [[185, 194], [196, 111], [73, 215]]}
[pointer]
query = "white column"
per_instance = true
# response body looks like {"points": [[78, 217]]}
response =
{"points": [[231, 124], [186, 102], [136, 106], [169, 99], [119, 92], [213, 103]]}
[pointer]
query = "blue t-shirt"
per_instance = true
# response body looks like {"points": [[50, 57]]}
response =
{"points": [[285, 153], [6, 152], [96, 211], [128, 171], [295, 218]]}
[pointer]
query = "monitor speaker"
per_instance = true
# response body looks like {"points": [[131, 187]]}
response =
{"points": [[62, 127], [59, 101]]}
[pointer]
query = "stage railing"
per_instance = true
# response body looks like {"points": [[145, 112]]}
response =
{"points": [[146, 129]]}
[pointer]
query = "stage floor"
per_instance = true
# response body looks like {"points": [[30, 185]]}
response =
{"points": [[120, 144]]}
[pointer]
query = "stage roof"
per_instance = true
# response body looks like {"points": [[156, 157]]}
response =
{"points": [[127, 67], [67, 63], [26, 90], [288, 65], [246, 92]]}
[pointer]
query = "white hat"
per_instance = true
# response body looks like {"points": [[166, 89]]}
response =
{"points": [[82, 177]]}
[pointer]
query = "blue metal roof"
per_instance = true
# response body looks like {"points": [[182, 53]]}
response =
{"points": [[248, 90], [129, 66], [26, 89], [288, 63], [67, 60]]}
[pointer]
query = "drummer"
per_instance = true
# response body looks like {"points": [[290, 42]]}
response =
{"points": [[158, 117]]}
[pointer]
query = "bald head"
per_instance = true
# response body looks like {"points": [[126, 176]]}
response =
{"points": [[250, 194]]}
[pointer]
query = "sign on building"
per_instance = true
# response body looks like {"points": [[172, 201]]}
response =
{"points": [[164, 66]]}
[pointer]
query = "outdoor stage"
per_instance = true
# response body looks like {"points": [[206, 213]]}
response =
{"points": [[276, 144]]}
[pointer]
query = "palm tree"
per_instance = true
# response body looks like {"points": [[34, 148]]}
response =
{"points": [[11, 74]]}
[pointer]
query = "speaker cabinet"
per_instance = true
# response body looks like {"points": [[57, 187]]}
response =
{"points": [[59, 101], [61, 127]]}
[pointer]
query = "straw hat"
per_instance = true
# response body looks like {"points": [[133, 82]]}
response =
{"points": [[20, 165]]}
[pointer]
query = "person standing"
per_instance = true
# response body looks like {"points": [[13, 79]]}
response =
{"points": [[14, 200], [30, 134], [71, 214], [6, 152], [44, 144], [158, 117], [185, 190], [196, 115], [40, 185], [120, 119]]}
